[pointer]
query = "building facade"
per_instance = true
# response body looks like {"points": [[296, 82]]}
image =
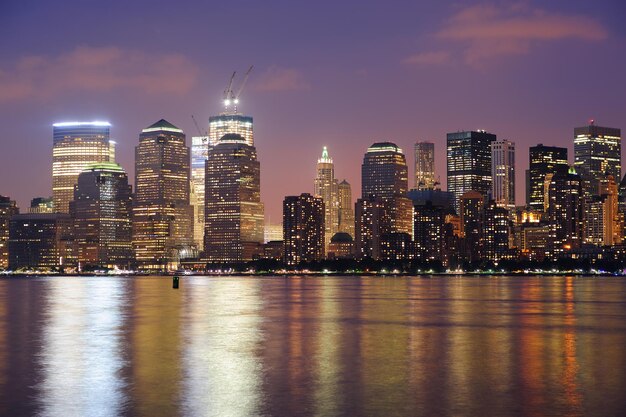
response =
{"points": [[346, 209], [234, 214], [503, 173], [199, 154], [326, 187], [384, 172], [101, 210], [162, 215], [469, 163], [303, 229], [597, 151], [564, 209], [543, 160], [8, 208], [230, 122], [76, 145], [424, 165]]}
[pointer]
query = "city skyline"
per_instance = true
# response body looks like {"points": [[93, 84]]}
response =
{"points": [[334, 89]]}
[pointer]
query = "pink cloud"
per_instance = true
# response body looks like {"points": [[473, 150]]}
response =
{"points": [[96, 69], [429, 58], [281, 79], [487, 31]]}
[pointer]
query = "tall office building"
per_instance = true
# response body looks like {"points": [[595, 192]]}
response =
{"points": [[8, 208], [346, 209], [162, 215], [230, 122], [384, 172], [543, 160], [303, 229], [234, 215], [564, 208], [495, 233], [101, 211], [597, 151], [327, 188], [199, 154], [503, 173], [469, 163], [76, 145], [429, 226], [602, 221], [471, 206], [424, 165]]}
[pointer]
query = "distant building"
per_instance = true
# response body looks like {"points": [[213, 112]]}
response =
{"points": [[602, 220], [234, 213], [471, 212], [597, 151], [384, 172], [101, 211], [273, 232], [429, 229], [495, 232], [543, 160], [162, 215], [440, 198], [346, 208], [199, 154], [230, 123], [41, 241], [41, 205], [341, 246], [8, 208], [469, 163], [424, 165], [565, 203], [326, 188], [503, 173], [76, 145], [303, 229]]}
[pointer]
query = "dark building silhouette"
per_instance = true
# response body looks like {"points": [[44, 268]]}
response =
{"points": [[303, 229]]}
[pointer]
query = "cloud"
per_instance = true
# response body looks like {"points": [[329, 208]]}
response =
{"points": [[488, 31], [96, 69], [281, 79], [429, 58]]}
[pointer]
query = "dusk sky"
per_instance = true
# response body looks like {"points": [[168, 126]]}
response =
{"points": [[340, 74]]}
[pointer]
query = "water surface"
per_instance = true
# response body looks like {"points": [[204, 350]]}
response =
{"points": [[241, 346]]}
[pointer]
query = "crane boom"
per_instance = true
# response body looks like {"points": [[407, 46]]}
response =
{"points": [[197, 127], [228, 92], [243, 83]]}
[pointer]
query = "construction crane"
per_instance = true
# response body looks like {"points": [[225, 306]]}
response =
{"points": [[198, 127], [232, 98]]}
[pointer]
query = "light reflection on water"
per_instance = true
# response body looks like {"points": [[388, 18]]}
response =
{"points": [[518, 346]]}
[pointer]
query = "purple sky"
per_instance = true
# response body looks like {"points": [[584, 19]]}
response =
{"points": [[341, 74]]}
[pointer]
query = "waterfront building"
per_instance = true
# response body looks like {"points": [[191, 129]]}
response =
{"points": [[327, 188], [495, 234], [543, 160], [471, 215], [272, 232], [199, 154], [424, 165], [346, 208], [503, 173], [76, 145], [303, 229], [429, 229], [234, 214], [564, 209], [602, 220], [469, 163], [43, 241], [8, 208], [41, 205], [384, 172], [597, 151], [397, 247], [162, 215], [440, 198], [341, 246], [101, 211]]}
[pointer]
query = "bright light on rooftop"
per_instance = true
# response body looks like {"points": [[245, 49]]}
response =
{"points": [[94, 123]]}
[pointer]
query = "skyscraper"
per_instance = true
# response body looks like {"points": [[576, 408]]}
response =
{"points": [[429, 231], [503, 173], [597, 151], [494, 242], [303, 229], [230, 122], [471, 207], [602, 221], [75, 146], [162, 216], [424, 165], [8, 208], [384, 172], [101, 211], [543, 160], [564, 207], [346, 209], [326, 188], [234, 215], [199, 153], [469, 163]]}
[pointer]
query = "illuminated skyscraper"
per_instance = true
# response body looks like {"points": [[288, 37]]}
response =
{"points": [[429, 225], [424, 165], [469, 163], [597, 151], [230, 122], [503, 173], [162, 215], [602, 220], [199, 154], [76, 145], [234, 215], [494, 242], [346, 209], [543, 160], [8, 208], [101, 211], [326, 188], [303, 229], [384, 172], [564, 207]]}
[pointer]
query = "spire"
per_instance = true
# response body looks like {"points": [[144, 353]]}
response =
{"points": [[325, 159]]}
